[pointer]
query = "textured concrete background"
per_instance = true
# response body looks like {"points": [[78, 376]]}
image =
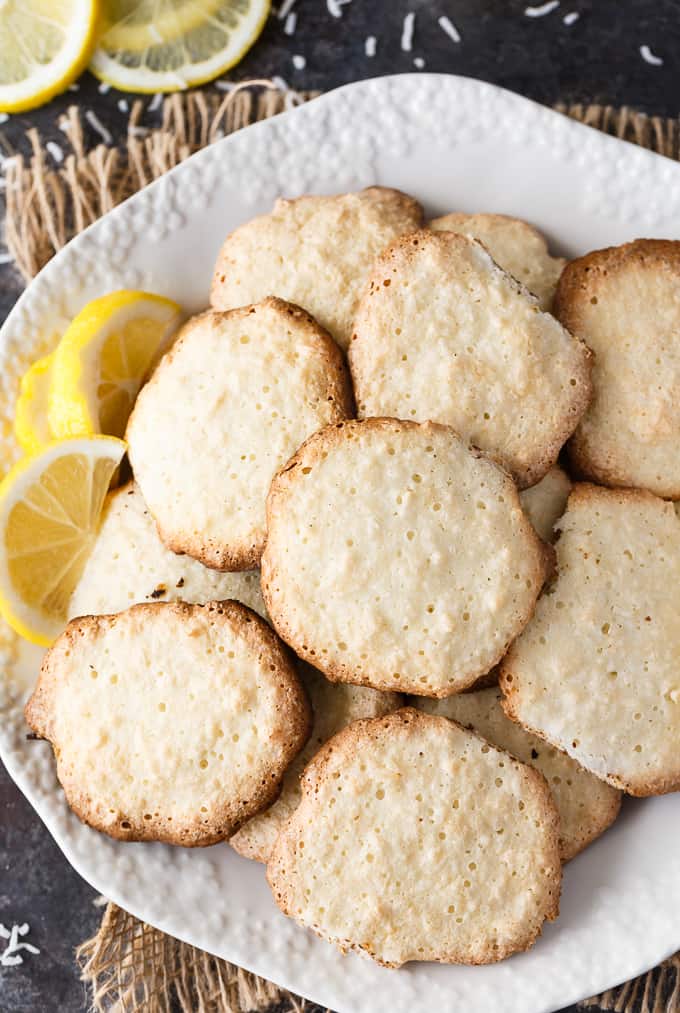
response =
{"points": [[596, 59]]}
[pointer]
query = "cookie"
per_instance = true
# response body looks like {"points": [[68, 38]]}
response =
{"points": [[129, 564], [230, 402], [544, 503], [315, 251], [443, 333], [334, 706], [170, 722], [418, 840], [623, 302], [398, 558], [596, 671], [516, 246], [587, 806]]}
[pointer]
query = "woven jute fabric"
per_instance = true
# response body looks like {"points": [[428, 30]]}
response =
{"points": [[130, 966]]}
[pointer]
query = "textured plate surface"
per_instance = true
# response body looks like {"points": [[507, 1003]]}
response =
{"points": [[455, 144]]}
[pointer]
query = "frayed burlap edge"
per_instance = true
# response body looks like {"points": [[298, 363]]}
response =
{"points": [[130, 966], [46, 205], [658, 133], [658, 991]]}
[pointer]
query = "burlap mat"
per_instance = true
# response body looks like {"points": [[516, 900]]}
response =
{"points": [[130, 966]]}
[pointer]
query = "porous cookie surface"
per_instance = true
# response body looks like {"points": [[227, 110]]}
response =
{"points": [[596, 670], [587, 806], [232, 400], [315, 251], [129, 564], [417, 840], [544, 502], [443, 333], [334, 705], [624, 302], [170, 722], [516, 246], [398, 558]]}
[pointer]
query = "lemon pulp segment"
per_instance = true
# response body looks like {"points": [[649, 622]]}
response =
{"points": [[50, 506], [167, 45], [44, 45], [105, 355]]}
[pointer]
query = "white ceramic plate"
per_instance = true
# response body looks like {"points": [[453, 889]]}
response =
{"points": [[455, 144]]}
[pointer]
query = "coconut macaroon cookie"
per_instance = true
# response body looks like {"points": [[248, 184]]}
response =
{"points": [[398, 558], [334, 706], [587, 806], [418, 840], [170, 722], [130, 564], [443, 333], [596, 671], [315, 251], [545, 502], [516, 246], [230, 402], [624, 302]]}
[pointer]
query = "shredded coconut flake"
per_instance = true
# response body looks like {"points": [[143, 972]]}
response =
{"points": [[571, 18], [299, 62], [279, 83], [448, 27], [285, 9], [6, 258], [74, 87], [335, 7], [11, 955], [104, 87], [97, 125], [370, 45], [55, 151], [122, 105], [418, 62], [291, 24], [407, 32], [539, 12], [649, 57], [225, 85], [4, 117], [155, 102]]}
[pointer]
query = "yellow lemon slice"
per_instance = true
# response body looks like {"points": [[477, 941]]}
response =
{"points": [[104, 357], [31, 427], [50, 506], [168, 45], [44, 45]]}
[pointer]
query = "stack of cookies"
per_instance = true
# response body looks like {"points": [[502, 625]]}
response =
{"points": [[386, 603]]}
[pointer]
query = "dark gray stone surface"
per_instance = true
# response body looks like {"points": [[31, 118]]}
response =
{"points": [[596, 59]]}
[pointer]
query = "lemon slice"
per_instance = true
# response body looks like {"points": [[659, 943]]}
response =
{"points": [[31, 427], [44, 45], [167, 45], [50, 506], [102, 360]]}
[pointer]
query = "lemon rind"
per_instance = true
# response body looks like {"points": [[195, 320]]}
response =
{"points": [[28, 408], [20, 475], [71, 410], [79, 50], [148, 82]]}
